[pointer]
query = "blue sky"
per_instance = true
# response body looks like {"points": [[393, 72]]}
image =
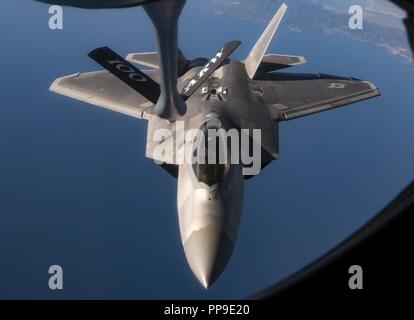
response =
{"points": [[76, 189]]}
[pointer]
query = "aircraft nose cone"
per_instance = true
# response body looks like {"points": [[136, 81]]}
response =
{"points": [[208, 250]]}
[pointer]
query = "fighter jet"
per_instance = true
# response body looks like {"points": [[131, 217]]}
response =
{"points": [[178, 95]]}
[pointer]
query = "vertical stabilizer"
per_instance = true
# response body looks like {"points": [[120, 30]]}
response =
{"points": [[256, 55]]}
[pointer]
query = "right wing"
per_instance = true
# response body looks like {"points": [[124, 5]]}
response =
{"points": [[290, 96], [103, 89]]}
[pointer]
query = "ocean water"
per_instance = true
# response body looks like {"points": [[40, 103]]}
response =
{"points": [[76, 189]]}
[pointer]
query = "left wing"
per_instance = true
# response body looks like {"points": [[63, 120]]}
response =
{"points": [[103, 89], [290, 96]]}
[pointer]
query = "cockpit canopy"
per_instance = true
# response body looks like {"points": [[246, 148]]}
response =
{"points": [[210, 154]]}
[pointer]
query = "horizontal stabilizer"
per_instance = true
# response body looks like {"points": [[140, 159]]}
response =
{"points": [[151, 60], [126, 72], [256, 55], [148, 59], [274, 62]]}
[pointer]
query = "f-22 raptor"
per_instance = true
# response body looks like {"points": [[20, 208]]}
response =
{"points": [[204, 94]]}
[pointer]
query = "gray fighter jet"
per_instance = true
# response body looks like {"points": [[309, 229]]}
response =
{"points": [[205, 94]]}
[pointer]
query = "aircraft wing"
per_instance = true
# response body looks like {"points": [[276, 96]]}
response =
{"points": [[290, 96], [103, 89]]}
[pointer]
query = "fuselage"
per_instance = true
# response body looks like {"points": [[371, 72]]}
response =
{"points": [[210, 195], [209, 218]]}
